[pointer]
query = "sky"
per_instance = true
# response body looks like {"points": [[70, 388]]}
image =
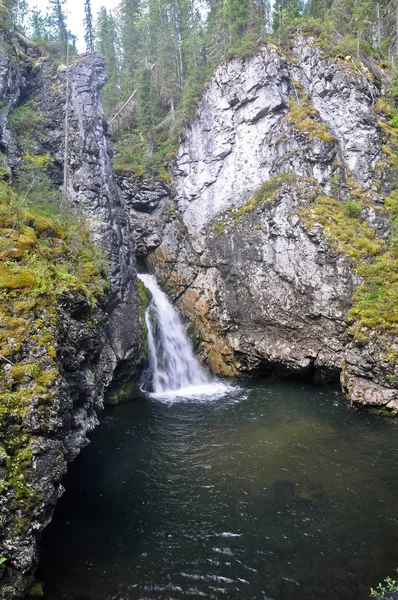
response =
{"points": [[75, 10]]}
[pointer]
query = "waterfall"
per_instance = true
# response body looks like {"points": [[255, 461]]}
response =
{"points": [[173, 366]]}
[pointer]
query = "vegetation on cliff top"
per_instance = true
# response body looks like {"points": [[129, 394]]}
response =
{"points": [[161, 53]]}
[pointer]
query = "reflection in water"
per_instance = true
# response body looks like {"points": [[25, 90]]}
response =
{"points": [[275, 491]]}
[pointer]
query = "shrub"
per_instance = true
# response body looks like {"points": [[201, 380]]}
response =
{"points": [[387, 590], [351, 209]]}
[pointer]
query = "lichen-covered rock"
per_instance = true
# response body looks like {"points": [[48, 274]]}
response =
{"points": [[246, 256], [62, 353], [144, 201]]}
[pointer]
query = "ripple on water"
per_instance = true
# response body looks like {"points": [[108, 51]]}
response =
{"points": [[250, 491]]}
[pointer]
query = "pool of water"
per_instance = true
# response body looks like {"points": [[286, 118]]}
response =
{"points": [[276, 491]]}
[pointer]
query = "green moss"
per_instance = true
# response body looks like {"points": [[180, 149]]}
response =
{"points": [[122, 393], [36, 591], [375, 260], [13, 278], [44, 259], [220, 227], [5, 175], [304, 117], [132, 156], [264, 194], [170, 210], [144, 298], [25, 121]]}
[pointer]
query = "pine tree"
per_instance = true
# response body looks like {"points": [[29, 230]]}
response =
{"points": [[89, 36]]}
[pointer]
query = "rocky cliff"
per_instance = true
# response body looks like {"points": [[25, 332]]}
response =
{"points": [[282, 202], [275, 240], [66, 333]]}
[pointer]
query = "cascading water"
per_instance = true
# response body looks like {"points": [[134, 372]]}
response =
{"points": [[173, 367]]}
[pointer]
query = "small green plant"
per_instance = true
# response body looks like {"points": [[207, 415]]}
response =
{"points": [[132, 156], [25, 121], [385, 590], [351, 209], [2, 560]]}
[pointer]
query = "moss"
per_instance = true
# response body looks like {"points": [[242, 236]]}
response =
{"points": [[375, 260], [12, 278], [16, 242], [132, 156], [56, 252], [170, 210], [5, 175], [122, 393], [220, 227], [265, 193], [305, 118], [144, 298], [36, 591], [44, 260], [25, 122]]}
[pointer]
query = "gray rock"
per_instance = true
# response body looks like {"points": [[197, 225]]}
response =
{"points": [[263, 291], [89, 353]]}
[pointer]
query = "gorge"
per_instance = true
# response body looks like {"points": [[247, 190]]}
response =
{"points": [[274, 239]]}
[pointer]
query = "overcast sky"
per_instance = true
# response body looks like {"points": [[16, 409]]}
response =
{"points": [[75, 10]]}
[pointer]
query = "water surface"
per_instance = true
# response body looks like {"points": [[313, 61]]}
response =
{"points": [[275, 491]]}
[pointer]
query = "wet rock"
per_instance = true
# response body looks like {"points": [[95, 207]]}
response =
{"points": [[264, 291], [90, 344]]}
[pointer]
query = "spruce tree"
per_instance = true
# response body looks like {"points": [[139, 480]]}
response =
{"points": [[145, 99], [106, 44], [132, 41], [286, 11], [40, 27], [89, 37], [237, 18], [59, 20]]}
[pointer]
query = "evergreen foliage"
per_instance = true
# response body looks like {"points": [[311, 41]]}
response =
{"points": [[58, 17], [88, 26], [161, 53]]}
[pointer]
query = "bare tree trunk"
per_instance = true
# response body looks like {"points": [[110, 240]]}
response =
{"points": [[66, 132], [396, 28], [378, 26]]}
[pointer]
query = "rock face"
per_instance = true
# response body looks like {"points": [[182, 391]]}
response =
{"points": [[92, 187], [93, 346], [236, 243], [241, 137], [265, 289]]}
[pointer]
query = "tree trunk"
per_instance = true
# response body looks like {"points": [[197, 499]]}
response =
{"points": [[396, 28], [378, 26], [66, 132]]}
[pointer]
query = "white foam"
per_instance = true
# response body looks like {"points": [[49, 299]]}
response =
{"points": [[200, 393]]}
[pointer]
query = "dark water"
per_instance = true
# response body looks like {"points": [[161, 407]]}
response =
{"points": [[278, 491]]}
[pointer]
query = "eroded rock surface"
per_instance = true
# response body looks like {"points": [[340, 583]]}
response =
{"points": [[93, 345], [265, 290]]}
